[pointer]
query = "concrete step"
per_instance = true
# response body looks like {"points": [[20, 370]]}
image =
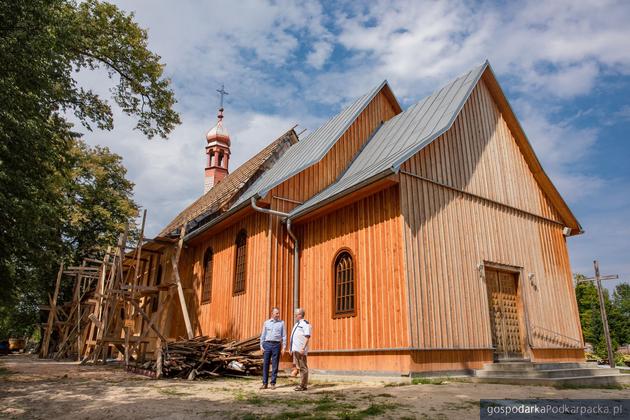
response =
{"points": [[573, 381], [548, 373], [520, 367]]}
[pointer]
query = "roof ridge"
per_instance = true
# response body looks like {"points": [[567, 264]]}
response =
{"points": [[230, 186], [423, 124]]}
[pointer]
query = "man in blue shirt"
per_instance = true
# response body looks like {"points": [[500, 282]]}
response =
{"points": [[273, 341]]}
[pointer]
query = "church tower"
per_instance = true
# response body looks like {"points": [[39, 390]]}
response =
{"points": [[217, 151]]}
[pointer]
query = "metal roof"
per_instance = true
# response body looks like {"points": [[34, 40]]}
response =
{"points": [[311, 150], [401, 137]]}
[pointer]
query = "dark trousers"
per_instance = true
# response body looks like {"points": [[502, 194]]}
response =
{"points": [[272, 353]]}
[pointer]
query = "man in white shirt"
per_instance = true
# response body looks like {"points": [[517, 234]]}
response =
{"points": [[300, 336]]}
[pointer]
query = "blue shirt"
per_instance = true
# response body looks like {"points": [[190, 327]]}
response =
{"points": [[274, 331]]}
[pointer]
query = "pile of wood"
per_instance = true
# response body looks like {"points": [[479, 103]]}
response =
{"points": [[203, 357]]}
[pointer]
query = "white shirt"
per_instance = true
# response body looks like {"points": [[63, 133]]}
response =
{"points": [[301, 330]]}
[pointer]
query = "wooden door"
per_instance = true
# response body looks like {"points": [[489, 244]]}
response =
{"points": [[505, 321]]}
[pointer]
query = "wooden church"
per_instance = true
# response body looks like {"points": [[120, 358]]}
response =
{"points": [[420, 240]]}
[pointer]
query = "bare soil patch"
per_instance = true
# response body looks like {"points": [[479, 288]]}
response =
{"points": [[38, 389]]}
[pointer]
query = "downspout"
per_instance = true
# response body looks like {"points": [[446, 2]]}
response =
{"points": [[296, 249]]}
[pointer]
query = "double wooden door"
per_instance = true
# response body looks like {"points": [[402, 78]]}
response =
{"points": [[505, 320]]}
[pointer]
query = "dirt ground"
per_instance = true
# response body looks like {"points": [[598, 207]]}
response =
{"points": [[34, 388]]}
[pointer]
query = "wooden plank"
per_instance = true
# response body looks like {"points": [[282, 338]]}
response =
{"points": [[52, 313], [177, 280]]}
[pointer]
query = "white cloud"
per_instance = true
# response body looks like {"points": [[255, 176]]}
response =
{"points": [[272, 55], [319, 55], [557, 47]]}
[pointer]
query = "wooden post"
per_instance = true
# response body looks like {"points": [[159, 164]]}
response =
{"points": [[159, 361], [180, 289], [78, 295], [602, 309], [52, 314], [182, 299], [131, 309], [139, 248]]}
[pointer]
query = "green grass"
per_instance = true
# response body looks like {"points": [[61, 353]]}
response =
{"points": [[251, 398], [376, 409], [395, 384], [327, 403], [290, 415], [427, 381]]}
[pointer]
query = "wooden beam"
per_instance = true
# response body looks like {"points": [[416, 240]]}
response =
{"points": [[149, 320], [180, 289], [52, 313]]}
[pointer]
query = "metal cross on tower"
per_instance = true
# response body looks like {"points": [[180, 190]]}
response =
{"points": [[602, 308], [222, 92]]}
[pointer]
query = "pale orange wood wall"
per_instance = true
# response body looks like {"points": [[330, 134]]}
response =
{"points": [[401, 362], [448, 233], [371, 229], [311, 181], [227, 315], [314, 179]]}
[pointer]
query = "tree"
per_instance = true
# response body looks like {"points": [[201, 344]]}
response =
{"points": [[620, 313], [588, 307], [618, 310], [43, 44]]}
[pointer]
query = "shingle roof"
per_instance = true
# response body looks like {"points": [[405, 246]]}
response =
{"points": [[310, 150], [233, 184], [401, 137]]}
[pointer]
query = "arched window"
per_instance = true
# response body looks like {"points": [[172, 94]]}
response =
{"points": [[240, 262], [344, 303], [206, 289]]}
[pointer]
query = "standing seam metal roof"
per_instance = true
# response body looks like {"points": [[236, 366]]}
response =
{"points": [[311, 150], [402, 136]]}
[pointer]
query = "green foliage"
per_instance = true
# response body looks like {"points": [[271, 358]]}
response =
{"points": [[60, 199], [620, 313], [618, 310]]}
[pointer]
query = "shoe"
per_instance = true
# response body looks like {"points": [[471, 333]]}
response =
{"points": [[299, 388], [263, 386], [273, 386]]}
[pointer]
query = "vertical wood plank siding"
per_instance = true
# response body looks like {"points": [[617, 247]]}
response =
{"points": [[239, 316], [448, 232], [269, 249], [371, 230], [310, 182]]}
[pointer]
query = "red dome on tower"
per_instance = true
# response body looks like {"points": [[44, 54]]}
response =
{"points": [[218, 133]]}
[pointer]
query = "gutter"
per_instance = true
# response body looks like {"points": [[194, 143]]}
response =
{"points": [[296, 249]]}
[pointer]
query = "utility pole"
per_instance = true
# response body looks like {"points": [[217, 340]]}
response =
{"points": [[602, 308]]}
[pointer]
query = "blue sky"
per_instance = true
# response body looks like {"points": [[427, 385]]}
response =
{"points": [[564, 65]]}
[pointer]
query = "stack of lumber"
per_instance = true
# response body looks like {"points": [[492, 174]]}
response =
{"points": [[210, 357]]}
